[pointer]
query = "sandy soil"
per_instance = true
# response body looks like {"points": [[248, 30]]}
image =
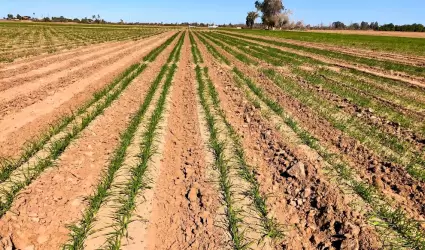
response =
{"points": [[80, 166], [291, 198], [182, 206], [372, 167], [29, 119]]}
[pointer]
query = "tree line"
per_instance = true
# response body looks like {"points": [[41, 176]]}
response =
{"points": [[61, 19], [375, 26]]}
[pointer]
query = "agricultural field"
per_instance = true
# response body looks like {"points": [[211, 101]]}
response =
{"points": [[196, 139], [20, 40]]}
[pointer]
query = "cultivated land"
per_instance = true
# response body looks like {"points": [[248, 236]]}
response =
{"points": [[184, 139]]}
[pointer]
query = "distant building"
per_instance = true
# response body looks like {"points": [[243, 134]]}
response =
{"points": [[212, 27], [26, 18]]}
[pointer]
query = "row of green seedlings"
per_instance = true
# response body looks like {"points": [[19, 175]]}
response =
{"points": [[100, 101], [393, 218], [31, 147], [7, 166], [382, 64], [80, 231], [296, 58], [277, 57], [405, 153], [240, 56], [139, 181], [197, 58], [229, 49], [233, 215], [48, 42], [269, 225], [51, 47], [213, 51], [307, 138], [409, 230], [271, 228]]}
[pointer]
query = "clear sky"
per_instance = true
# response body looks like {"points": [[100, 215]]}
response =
{"points": [[221, 11]]}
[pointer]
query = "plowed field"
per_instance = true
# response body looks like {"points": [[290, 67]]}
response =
{"points": [[186, 139]]}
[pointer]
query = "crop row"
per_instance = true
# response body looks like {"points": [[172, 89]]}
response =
{"points": [[405, 152], [233, 168], [394, 217], [43, 151], [125, 197], [24, 41]]}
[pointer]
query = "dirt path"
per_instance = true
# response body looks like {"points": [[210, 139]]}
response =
{"points": [[184, 204], [300, 203], [28, 122], [31, 220]]}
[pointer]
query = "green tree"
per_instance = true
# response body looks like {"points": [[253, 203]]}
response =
{"points": [[250, 18], [364, 25], [10, 16], [338, 25], [271, 10], [18, 17]]}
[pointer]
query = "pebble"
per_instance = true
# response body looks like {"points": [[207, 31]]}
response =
{"points": [[193, 194], [297, 171], [42, 239]]}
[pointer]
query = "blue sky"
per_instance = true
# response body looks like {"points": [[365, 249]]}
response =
{"points": [[221, 11]]}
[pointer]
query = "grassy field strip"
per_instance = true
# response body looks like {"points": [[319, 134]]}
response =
{"points": [[406, 46], [344, 57], [391, 147], [410, 230], [270, 227], [197, 58], [394, 87], [367, 134], [247, 224], [56, 46], [43, 152], [118, 189], [292, 60], [232, 51], [314, 61], [411, 105], [379, 106]]}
